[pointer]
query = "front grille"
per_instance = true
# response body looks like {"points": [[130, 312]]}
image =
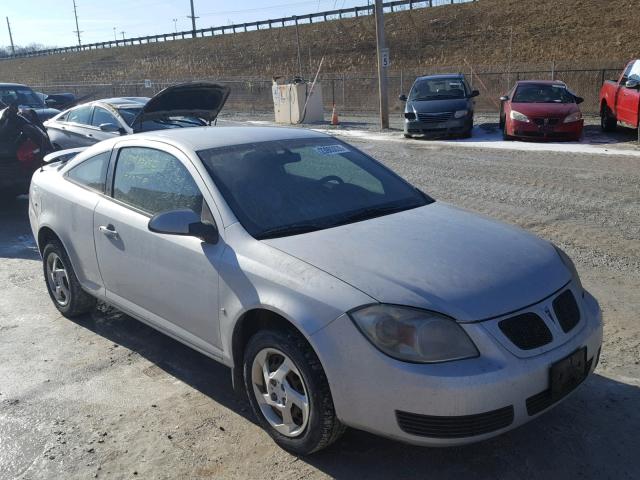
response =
{"points": [[543, 400], [567, 311], [546, 121], [526, 331], [435, 117], [455, 427]]}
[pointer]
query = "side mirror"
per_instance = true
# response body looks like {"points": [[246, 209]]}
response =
{"points": [[579, 100], [402, 98], [504, 98], [632, 83], [109, 127], [184, 222], [51, 102], [474, 93]]}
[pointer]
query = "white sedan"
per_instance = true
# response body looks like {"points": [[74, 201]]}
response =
{"points": [[339, 294]]}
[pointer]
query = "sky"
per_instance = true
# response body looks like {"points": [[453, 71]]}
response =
{"points": [[51, 22]]}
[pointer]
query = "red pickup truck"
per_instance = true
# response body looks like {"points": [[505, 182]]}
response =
{"points": [[620, 101]]}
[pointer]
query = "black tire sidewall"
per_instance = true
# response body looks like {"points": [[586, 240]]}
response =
{"points": [[312, 436]]}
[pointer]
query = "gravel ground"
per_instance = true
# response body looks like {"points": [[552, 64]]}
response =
{"points": [[105, 396]]}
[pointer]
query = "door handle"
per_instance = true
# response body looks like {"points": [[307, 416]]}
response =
{"points": [[109, 230]]}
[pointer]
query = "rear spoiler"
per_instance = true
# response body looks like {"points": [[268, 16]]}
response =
{"points": [[63, 155]]}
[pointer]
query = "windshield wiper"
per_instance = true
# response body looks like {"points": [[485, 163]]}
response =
{"points": [[372, 212], [294, 229]]}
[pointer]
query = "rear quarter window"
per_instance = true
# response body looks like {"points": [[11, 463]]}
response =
{"points": [[92, 172]]}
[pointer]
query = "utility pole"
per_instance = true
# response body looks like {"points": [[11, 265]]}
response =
{"points": [[175, 24], [193, 21], [122, 32], [77, 30], [382, 67], [298, 43], [13, 49], [115, 35]]}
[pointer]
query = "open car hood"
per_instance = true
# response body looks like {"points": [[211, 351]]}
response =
{"points": [[197, 99]]}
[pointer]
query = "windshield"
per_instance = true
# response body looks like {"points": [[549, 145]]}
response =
{"points": [[541, 93], [23, 96], [438, 89], [287, 187], [129, 114]]}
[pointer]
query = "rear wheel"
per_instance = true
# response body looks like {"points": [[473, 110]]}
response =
{"points": [[63, 286], [289, 392], [608, 121]]}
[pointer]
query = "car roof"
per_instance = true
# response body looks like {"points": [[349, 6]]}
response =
{"points": [[441, 76], [540, 82], [203, 138], [12, 85]]}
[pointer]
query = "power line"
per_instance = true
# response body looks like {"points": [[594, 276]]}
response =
{"points": [[77, 30]]}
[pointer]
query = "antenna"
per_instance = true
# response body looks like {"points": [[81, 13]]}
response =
{"points": [[13, 49], [193, 21], [77, 30]]}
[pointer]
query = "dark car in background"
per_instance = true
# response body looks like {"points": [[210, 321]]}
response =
{"points": [[25, 98], [439, 105], [194, 104], [541, 109]]}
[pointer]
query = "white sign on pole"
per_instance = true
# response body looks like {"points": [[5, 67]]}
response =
{"points": [[147, 83], [386, 61]]}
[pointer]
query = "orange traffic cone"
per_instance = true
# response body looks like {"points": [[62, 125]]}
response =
{"points": [[334, 116]]}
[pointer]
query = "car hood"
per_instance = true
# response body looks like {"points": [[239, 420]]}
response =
{"points": [[199, 99], [45, 113], [545, 109], [435, 106], [436, 257]]}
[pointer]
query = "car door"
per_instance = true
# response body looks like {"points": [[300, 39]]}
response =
{"points": [[101, 116], [77, 127], [168, 280], [629, 98]]}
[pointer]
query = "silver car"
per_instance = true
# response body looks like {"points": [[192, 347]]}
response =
{"points": [[339, 294], [192, 104]]}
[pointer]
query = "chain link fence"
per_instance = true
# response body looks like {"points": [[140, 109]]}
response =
{"points": [[355, 93]]}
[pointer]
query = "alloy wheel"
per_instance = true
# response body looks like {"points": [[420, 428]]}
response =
{"points": [[58, 280], [280, 392]]}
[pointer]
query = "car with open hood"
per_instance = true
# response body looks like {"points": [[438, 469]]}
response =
{"points": [[193, 104], [338, 293], [542, 110]]}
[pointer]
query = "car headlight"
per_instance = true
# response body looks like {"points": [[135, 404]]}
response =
{"points": [[573, 117], [570, 265], [520, 117], [460, 113], [413, 335]]}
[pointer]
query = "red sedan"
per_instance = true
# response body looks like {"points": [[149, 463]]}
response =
{"points": [[539, 109]]}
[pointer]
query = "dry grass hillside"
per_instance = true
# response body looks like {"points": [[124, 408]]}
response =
{"points": [[588, 33]]}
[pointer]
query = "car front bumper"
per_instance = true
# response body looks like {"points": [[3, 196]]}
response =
{"points": [[561, 131], [454, 126], [449, 403]]}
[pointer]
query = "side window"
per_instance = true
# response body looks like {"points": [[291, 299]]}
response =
{"points": [[154, 181], [81, 115], [100, 116], [92, 172]]}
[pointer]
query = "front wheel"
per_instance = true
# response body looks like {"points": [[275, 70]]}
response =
{"points": [[289, 392], [608, 122], [63, 285]]}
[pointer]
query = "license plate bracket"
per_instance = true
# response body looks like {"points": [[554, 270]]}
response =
{"points": [[568, 373]]}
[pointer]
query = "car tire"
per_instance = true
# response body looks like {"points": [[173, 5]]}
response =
{"points": [[406, 135], [608, 122], [310, 429], [505, 135], [62, 283]]}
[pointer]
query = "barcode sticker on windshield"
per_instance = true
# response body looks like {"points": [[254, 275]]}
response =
{"points": [[331, 149]]}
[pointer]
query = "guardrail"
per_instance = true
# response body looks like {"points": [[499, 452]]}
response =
{"points": [[329, 15]]}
